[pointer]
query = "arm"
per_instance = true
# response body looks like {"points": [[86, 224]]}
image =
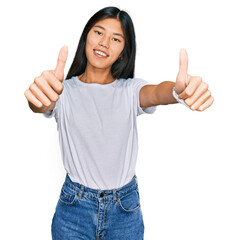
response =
{"points": [[164, 93], [191, 89], [161, 94]]}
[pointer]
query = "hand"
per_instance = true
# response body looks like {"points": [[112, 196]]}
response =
{"points": [[48, 86], [192, 89]]}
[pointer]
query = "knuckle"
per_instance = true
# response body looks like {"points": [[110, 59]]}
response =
{"points": [[45, 74], [188, 102], [199, 79], [52, 73], [32, 86], [37, 80], [188, 92], [48, 104], [40, 105], [212, 99], [61, 88], [25, 93], [206, 86], [56, 98]]}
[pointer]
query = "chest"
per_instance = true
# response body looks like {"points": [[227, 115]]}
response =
{"points": [[107, 113]]}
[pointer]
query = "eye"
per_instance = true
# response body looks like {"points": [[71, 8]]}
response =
{"points": [[117, 40], [99, 33]]}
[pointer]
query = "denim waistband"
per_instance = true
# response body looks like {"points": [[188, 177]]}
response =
{"points": [[101, 194]]}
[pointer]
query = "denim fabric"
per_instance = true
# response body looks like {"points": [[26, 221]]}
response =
{"points": [[84, 213]]}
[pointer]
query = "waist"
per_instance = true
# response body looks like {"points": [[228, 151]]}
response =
{"points": [[99, 194]]}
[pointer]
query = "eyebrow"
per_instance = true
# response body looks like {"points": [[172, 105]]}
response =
{"points": [[118, 34]]}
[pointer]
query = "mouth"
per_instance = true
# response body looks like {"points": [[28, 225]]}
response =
{"points": [[100, 53]]}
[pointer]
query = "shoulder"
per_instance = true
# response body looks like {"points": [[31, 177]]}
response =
{"points": [[133, 82], [69, 83]]}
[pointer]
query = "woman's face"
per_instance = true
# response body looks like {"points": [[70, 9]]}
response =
{"points": [[105, 42]]}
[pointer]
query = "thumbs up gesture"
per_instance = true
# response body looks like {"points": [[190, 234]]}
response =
{"points": [[191, 89], [46, 88]]}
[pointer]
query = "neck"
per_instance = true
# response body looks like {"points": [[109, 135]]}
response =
{"points": [[93, 75]]}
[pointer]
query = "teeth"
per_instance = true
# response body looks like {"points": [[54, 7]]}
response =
{"points": [[100, 53]]}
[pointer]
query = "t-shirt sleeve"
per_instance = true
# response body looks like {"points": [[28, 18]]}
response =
{"points": [[137, 84], [50, 113]]}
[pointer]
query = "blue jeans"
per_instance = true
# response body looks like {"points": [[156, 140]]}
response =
{"points": [[84, 213]]}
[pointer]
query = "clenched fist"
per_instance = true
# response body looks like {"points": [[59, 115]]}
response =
{"points": [[192, 89], [46, 88]]}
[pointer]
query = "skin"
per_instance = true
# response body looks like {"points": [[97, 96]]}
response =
{"points": [[107, 35], [102, 37], [44, 92], [190, 88]]}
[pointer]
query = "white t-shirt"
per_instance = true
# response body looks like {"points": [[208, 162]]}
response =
{"points": [[98, 130]]}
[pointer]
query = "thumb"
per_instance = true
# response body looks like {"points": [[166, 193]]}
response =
{"points": [[182, 77], [59, 70]]}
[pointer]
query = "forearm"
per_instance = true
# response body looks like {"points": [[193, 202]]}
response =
{"points": [[164, 92]]}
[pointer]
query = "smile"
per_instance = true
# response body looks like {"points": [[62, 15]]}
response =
{"points": [[100, 54]]}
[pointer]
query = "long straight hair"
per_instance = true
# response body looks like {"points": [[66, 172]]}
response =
{"points": [[120, 68]]}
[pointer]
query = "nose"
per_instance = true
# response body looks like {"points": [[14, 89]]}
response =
{"points": [[104, 42]]}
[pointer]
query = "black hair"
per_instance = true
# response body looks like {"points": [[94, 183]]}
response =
{"points": [[123, 68]]}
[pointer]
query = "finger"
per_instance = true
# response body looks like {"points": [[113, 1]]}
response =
{"points": [[44, 86], [182, 76], [193, 84], [31, 98], [207, 104], [40, 95], [202, 99], [202, 88], [51, 82], [183, 62], [59, 70]]}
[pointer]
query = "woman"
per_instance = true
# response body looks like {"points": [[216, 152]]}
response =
{"points": [[95, 108]]}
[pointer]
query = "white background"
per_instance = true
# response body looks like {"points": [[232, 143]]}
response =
{"points": [[187, 160]]}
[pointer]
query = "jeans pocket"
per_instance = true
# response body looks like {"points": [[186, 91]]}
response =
{"points": [[130, 202], [67, 195]]}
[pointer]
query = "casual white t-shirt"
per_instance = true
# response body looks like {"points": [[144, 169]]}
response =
{"points": [[98, 130]]}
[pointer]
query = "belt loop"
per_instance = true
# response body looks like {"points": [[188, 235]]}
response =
{"points": [[114, 195], [81, 191]]}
